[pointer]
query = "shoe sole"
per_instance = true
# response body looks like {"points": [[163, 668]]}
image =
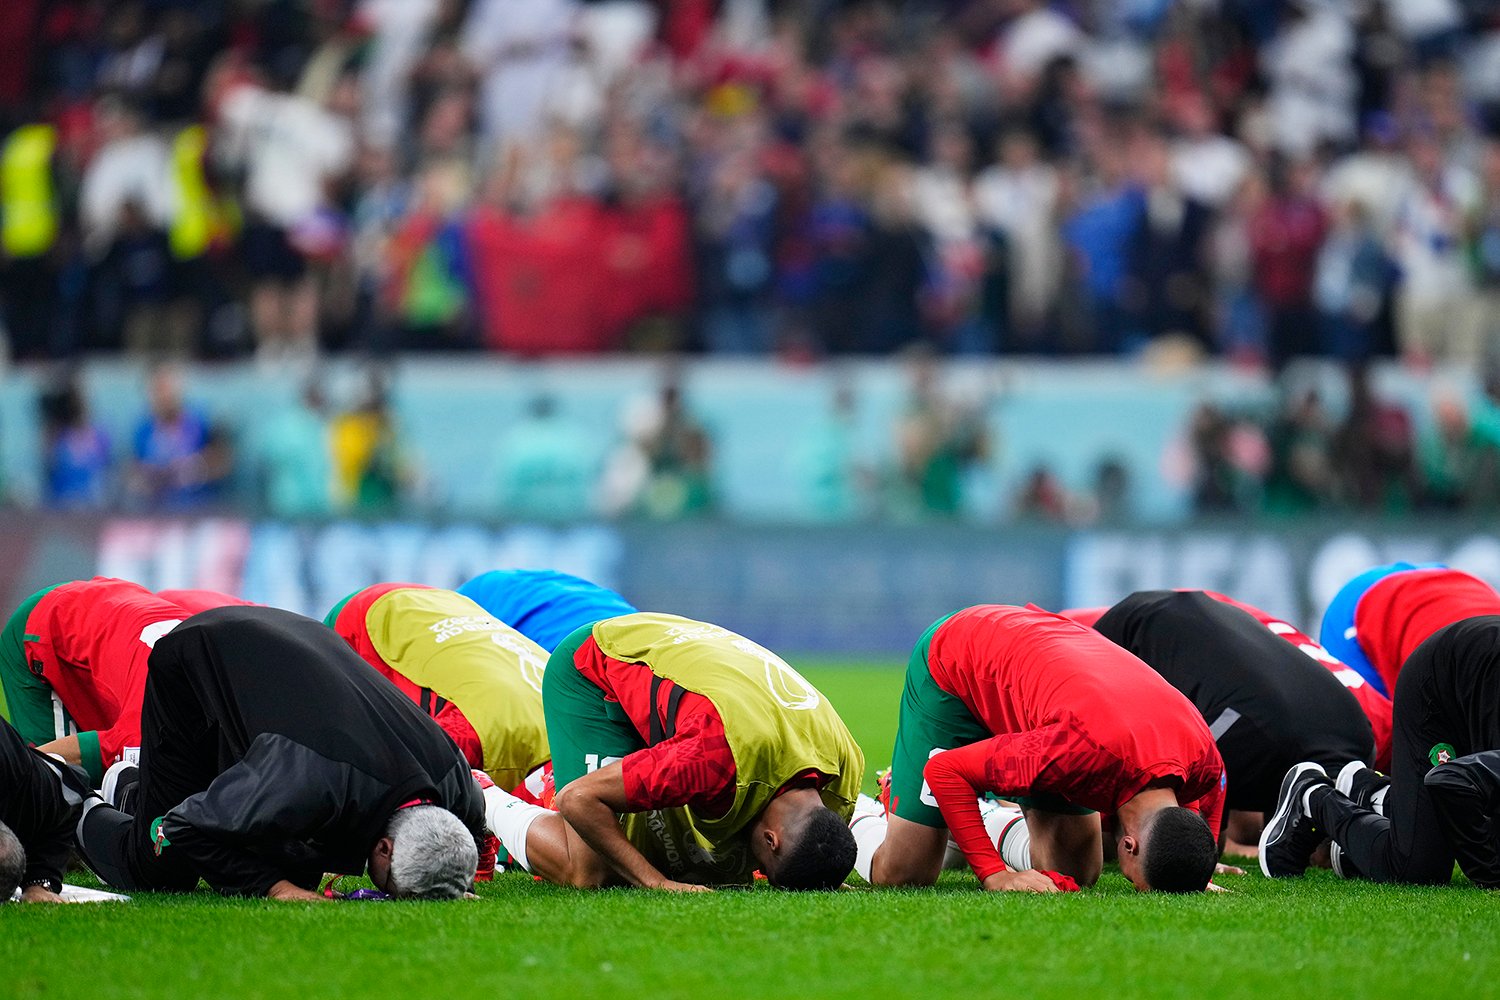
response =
{"points": [[1285, 805]]}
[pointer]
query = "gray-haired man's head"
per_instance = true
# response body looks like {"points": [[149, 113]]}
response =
{"points": [[426, 853]]}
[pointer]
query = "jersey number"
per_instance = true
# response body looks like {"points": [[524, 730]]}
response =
{"points": [[593, 762]]}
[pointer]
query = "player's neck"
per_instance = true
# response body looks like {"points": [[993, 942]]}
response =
{"points": [[1146, 803]]}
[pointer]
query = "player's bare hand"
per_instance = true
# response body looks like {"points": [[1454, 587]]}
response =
{"points": [[670, 886], [1019, 882], [1215, 887], [40, 894], [288, 892], [1223, 869]]}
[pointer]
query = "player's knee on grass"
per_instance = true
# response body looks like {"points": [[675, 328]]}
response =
{"points": [[818, 853], [1244, 827], [588, 875], [1179, 852], [12, 862], [911, 854], [1083, 866], [1069, 843]]}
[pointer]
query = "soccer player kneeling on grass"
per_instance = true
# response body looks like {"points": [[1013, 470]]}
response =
{"points": [[478, 678], [542, 604], [1442, 800], [39, 800], [1040, 710], [686, 756], [73, 668], [272, 754]]}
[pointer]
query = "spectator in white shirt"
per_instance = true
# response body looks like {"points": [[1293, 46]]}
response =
{"points": [[1436, 301], [1209, 166], [1017, 197], [521, 51], [130, 167], [291, 151]]}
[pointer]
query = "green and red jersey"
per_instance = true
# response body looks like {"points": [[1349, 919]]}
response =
{"points": [[88, 642], [692, 767]]}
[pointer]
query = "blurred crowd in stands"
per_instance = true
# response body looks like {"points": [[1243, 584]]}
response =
{"points": [[1242, 178], [1301, 452], [1376, 457], [303, 460]]}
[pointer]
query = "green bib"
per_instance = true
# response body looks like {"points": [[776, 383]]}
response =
{"points": [[777, 724], [442, 640]]}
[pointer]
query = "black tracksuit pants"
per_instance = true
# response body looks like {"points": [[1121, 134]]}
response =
{"points": [[1445, 767]]}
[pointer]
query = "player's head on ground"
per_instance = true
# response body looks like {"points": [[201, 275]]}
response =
{"points": [[12, 862], [802, 844], [1171, 851], [426, 853]]}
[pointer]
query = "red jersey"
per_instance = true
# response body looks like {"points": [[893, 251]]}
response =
{"points": [[1376, 706], [350, 625], [1402, 610], [693, 767], [194, 601], [1075, 716], [91, 640]]}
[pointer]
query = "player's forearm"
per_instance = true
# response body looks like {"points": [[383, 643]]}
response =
{"points": [[290, 892], [65, 747], [594, 820], [47, 857]]}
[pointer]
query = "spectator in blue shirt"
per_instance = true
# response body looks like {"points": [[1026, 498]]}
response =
{"points": [[178, 459], [78, 456]]}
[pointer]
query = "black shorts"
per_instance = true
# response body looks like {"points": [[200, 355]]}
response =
{"points": [[1447, 707], [269, 254]]}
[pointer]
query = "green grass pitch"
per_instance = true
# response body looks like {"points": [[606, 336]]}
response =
{"points": [[1316, 937]]}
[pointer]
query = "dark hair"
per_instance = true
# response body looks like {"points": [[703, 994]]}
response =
{"points": [[12, 863], [1180, 852], [822, 856]]}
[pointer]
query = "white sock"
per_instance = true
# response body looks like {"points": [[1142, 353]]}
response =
{"points": [[1007, 830], [510, 818], [869, 830]]}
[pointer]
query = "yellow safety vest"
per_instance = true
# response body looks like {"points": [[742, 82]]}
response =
{"points": [[444, 642], [777, 724], [27, 201], [195, 220]]}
